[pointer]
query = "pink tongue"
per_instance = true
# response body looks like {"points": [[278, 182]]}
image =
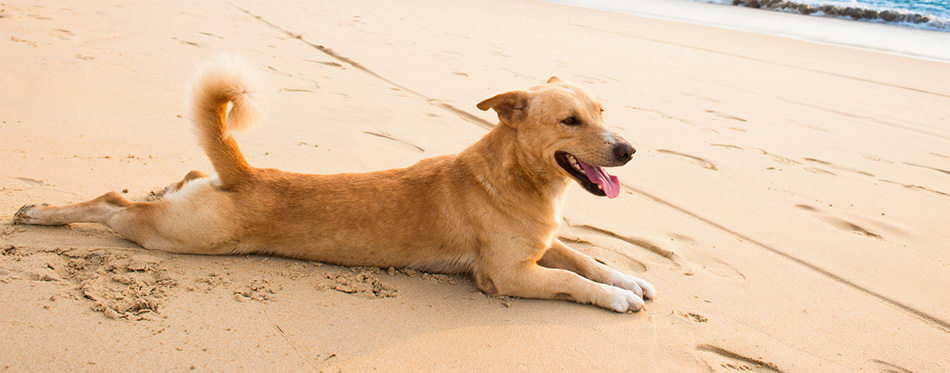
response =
{"points": [[599, 176]]}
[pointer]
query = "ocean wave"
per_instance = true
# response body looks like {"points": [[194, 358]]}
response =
{"points": [[926, 21]]}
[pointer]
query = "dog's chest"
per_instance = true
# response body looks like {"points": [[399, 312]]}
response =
{"points": [[557, 200]]}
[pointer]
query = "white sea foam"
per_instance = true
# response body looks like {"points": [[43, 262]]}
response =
{"points": [[933, 15], [888, 38]]}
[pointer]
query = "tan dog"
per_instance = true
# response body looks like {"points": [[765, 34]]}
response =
{"points": [[493, 210]]}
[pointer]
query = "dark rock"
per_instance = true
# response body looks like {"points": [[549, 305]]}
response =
{"points": [[889, 16], [854, 13], [917, 18]]}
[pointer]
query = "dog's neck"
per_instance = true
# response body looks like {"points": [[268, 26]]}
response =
{"points": [[510, 168]]}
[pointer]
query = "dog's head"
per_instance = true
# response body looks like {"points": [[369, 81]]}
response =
{"points": [[562, 125]]}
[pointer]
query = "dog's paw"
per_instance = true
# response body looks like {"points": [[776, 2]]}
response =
{"points": [[623, 300], [637, 285], [23, 216]]}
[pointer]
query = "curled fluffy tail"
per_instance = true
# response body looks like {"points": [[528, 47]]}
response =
{"points": [[227, 80]]}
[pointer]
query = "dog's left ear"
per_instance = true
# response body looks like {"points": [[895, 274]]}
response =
{"points": [[510, 106], [554, 79]]}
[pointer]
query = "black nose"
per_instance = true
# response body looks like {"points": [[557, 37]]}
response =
{"points": [[624, 152]]}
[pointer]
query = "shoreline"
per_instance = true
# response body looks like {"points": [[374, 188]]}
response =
{"points": [[873, 36], [888, 17]]}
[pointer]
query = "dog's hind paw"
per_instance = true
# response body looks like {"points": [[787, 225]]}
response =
{"points": [[22, 215]]}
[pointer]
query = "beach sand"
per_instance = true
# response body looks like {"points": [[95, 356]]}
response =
{"points": [[789, 200]]}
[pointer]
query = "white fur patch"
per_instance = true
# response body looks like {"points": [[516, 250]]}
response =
{"points": [[192, 187], [559, 198], [637, 285], [569, 89], [611, 137], [625, 300]]}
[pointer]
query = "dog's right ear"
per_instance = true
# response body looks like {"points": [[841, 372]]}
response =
{"points": [[510, 106]]}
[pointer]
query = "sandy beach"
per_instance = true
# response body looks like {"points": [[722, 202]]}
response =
{"points": [[789, 200]]}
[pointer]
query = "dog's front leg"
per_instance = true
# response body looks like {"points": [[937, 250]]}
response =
{"points": [[563, 257], [530, 280]]}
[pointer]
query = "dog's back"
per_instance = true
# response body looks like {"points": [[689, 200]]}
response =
{"points": [[406, 217]]}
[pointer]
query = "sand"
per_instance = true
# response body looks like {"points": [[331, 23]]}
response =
{"points": [[789, 200]]}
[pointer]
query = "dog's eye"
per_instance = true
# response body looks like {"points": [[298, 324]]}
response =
{"points": [[571, 121]]}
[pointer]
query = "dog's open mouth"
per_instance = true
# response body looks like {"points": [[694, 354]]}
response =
{"points": [[593, 178]]}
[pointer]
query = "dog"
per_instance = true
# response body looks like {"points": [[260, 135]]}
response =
{"points": [[492, 210]]}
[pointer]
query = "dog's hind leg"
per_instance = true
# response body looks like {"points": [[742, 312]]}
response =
{"points": [[130, 219], [179, 225], [563, 257], [95, 211]]}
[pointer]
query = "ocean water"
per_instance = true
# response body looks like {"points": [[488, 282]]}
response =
{"points": [[928, 39], [925, 14]]}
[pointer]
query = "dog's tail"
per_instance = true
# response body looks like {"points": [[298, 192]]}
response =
{"points": [[227, 81]]}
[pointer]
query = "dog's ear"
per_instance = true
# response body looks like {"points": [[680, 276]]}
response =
{"points": [[554, 79], [510, 106]]}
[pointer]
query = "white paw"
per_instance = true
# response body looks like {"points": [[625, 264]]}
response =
{"points": [[637, 285], [625, 300]]}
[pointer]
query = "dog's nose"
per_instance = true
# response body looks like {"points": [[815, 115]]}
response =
{"points": [[624, 152]]}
